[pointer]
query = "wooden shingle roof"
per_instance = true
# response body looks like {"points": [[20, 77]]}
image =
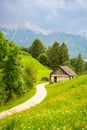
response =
{"points": [[66, 69]]}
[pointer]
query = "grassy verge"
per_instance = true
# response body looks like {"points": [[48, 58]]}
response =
{"points": [[64, 108]]}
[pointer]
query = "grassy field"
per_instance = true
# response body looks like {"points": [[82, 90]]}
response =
{"points": [[27, 59], [64, 108]]}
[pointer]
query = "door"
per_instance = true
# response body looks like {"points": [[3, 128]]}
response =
{"points": [[55, 79]]}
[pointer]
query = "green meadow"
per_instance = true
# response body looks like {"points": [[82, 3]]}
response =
{"points": [[64, 108]]}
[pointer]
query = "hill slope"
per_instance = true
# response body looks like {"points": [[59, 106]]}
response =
{"points": [[65, 108], [41, 70]]}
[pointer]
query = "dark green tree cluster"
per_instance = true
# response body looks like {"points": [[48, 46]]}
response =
{"points": [[38, 51], [58, 55], [12, 81], [55, 55]]}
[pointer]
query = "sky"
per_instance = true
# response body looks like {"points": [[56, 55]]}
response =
{"points": [[68, 16]]}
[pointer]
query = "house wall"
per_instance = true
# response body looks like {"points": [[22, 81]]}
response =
{"points": [[59, 78], [62, 78], [52, 79]]}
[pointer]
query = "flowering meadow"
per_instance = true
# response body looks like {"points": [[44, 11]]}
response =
{"points": [[64, 108]]}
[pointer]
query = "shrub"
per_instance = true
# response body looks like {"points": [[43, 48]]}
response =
{"points": [[45, 79], [29, 76]]}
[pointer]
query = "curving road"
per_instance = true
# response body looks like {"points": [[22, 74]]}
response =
{"points": [[36, 99]]}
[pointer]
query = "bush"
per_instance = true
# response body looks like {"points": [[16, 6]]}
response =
{"points": [[45, 79], [29, 76]]}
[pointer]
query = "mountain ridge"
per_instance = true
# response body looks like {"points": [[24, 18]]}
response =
{"points": [[25, 37]]}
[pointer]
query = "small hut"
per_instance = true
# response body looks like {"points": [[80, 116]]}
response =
{"points": [[61, 73]]}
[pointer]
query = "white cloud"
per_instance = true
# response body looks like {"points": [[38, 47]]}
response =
{"points": [[63, 14], [82, 3]]}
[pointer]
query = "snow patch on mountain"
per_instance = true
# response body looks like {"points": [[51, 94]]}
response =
{"points": [[33, 27], [82, 33], [37, 29]]}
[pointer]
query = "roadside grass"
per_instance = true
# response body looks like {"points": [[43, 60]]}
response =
{"points": [[64, 108]]}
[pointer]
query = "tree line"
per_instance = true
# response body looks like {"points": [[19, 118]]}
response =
{"points": [[55, 55]]}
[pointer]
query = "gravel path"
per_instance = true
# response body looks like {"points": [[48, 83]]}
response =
{"points": [[36, 99]]}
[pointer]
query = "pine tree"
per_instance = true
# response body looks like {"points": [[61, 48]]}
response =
{"points": [[37, 48], [53, 55], [64, 56], [80, 65]]}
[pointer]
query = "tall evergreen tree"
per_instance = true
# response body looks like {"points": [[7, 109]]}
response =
{"points": [[12, 72], [53, 55], [37, 48], [64, 56], [80, 65]]}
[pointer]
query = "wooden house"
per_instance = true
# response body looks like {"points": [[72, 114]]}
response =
{"points": [[61, 73]]}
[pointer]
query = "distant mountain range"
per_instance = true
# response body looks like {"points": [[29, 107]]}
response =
{"points": [[24, 37]]}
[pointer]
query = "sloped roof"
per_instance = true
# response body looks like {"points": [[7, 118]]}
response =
{"points": [[66, 69]]}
